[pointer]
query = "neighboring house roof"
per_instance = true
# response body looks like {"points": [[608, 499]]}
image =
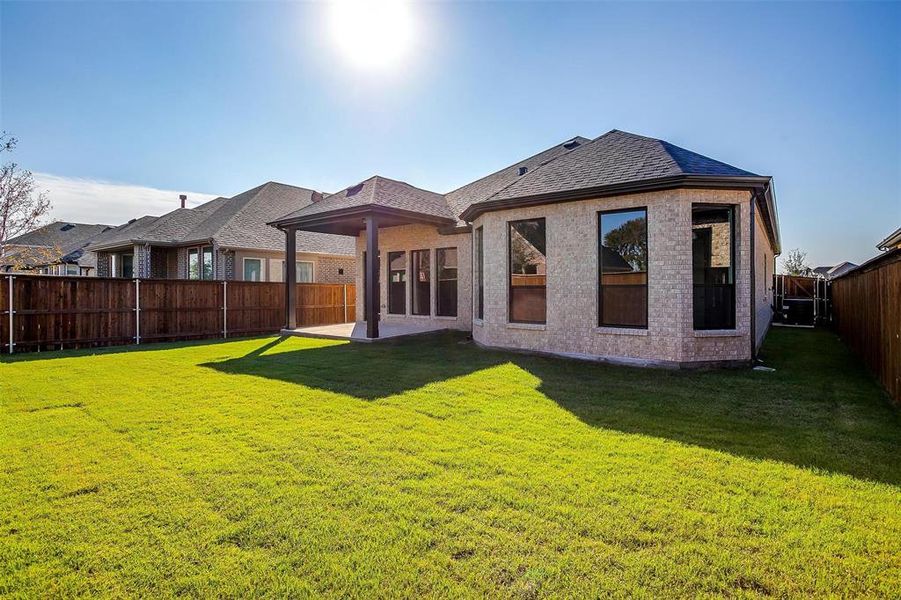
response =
{"points": [[892, 241], [383, 192], [835, 270], [236, 222], [69, 238]]}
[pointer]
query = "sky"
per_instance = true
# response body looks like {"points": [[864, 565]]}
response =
{"points": [[119, 107]]}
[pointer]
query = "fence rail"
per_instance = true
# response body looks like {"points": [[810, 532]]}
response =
{"points": [[44, 313], [866, 305]]}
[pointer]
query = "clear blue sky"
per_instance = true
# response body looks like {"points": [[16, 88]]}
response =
{"points": [[219, 97]]}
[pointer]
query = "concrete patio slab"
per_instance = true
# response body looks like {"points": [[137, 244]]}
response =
{"points": [[356, 332]]}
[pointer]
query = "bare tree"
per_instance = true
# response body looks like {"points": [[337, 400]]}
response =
{"points": [[795, 263], [22, 208]]}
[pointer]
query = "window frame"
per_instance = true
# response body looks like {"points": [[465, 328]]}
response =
{"points": [[200, 250], [600, 285], [122, 266], [261, 261], [733, 254], [406, 269], [438, 280], [480, 280], [297, 263], [413, 282], [510, 272]]}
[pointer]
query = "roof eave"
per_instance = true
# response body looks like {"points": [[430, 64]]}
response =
{"points": [[299, 222]]}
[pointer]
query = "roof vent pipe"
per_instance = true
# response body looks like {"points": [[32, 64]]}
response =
{"points": [[183, 198], [523, 170]]}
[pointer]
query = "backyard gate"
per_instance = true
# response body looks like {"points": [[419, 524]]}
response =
{"points": [[801, 300]]}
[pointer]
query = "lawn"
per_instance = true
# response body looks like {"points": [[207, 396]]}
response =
{"points": [[293, 467]]}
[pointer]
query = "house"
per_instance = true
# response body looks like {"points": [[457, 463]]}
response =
{"points": [[54, 249], [623, 248], [225, 238], [892, 242], [833, 271]]}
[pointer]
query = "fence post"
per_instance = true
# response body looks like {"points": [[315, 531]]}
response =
{"points": [[11, 334], [224, 309], [137, 311], [345, 303]]}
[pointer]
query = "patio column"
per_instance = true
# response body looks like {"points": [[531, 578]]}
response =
{"points": [[290, 278], [372, 277]]}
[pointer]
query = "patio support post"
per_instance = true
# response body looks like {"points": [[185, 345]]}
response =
{"points": [[372, 277], [290, 278]]}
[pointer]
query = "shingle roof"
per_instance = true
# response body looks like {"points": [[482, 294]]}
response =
{"points": [[122, 234], [487, 186], [384, 192], [70, 238], [614, 158], [241, 222]]}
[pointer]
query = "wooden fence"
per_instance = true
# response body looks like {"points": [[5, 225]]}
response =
{"points": [[44, 313], [866, 308]]}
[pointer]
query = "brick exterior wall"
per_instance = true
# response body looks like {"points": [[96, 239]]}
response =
{"points": [[103, 264], [420, 237], [182, 263], [142, 261], [764, 267], [327, 268], [159, 262], [572, 265]]}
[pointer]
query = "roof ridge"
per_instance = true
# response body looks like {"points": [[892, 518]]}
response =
{"points": [[532, 172], [516, 163]]}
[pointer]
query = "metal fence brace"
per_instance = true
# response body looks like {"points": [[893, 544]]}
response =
{"points": [[224, 309], [11, 313], [137, 311]]}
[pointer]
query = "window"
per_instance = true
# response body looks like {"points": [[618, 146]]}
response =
{"points": [[446, 300], [304, 271], [623, 266], [397, 283], [480, 279], [253, 269], [713, 266], [200, 263], [128, 266], [528, 271], [72, 270], [422, 281]]}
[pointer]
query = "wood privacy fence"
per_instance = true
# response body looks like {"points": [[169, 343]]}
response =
{"points": [[866, 308], [43, 313]]}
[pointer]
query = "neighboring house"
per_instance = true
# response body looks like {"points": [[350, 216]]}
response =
{"points": [[623, 247], [834, 271], [225, 238], [54, 249], [892, 242]]}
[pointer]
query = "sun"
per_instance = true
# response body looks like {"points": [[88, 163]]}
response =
{"points": [[372, 34]]}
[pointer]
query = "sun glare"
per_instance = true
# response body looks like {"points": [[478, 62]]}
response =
{"points": [[372, 34]]}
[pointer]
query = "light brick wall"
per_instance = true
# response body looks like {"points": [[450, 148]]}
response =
{"points": [[325, 267], [103, 264], [420, 237], [763, 271], [142, 254], [328, 268], [572, 265]]}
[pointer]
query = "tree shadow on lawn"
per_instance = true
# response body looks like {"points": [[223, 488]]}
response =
{"points": [[819, 409]]}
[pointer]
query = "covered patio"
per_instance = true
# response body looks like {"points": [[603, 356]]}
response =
{"points": [[362, 209]]}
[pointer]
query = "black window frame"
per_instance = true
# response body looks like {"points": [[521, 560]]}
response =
{"points": [[732, 324], [480, 279], [510, 225], [438, 280], [391, 307], [600, 320], [414, 281]]}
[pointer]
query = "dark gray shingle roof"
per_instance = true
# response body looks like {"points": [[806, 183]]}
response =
{"points": [[384, 192], [122, 234], [69, 238], [614, 158]]}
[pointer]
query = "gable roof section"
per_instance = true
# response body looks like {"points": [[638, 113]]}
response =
{"points": [[122, 234], [241, 222], [381, 192], [64, 234]]}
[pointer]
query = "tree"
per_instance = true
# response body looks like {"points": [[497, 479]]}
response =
{"points": [[22, 209], [629, 240], [795, 263]]}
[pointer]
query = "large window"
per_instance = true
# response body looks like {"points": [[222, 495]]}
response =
{"points": [[480, 278], [397, 283], [422, 282], [304, 271], [128, 266], [528, 271], [200, 263], [446, 259], [623, 261], [713, 266]]}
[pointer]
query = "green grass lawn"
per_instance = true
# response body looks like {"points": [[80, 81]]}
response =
{"points": [[430, 467]]}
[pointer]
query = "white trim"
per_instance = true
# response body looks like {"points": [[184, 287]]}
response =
{"points": [[262, 262]]}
